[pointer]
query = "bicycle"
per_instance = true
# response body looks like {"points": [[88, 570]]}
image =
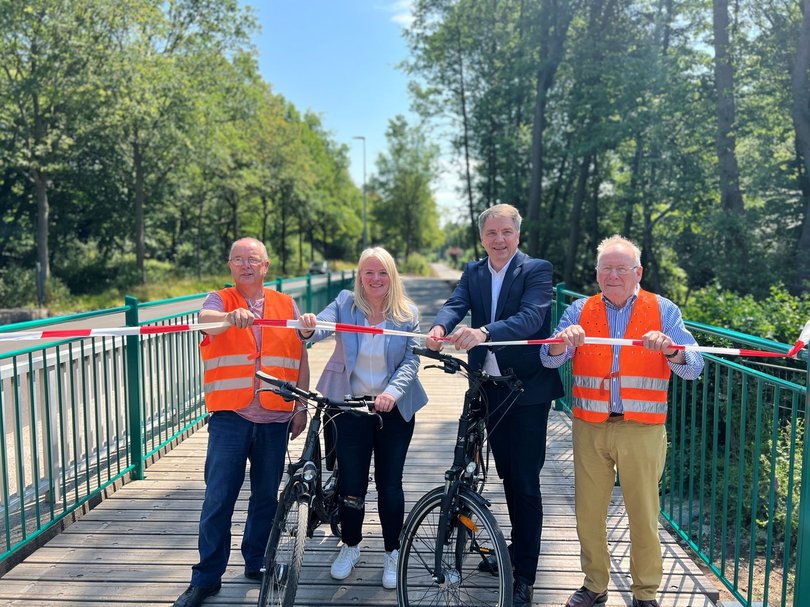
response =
{"points": [[306, 501], [451, 535]]}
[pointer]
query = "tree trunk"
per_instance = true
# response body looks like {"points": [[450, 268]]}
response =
{"points": [[140, 196], [474, 238], [575, 220], [43, 220], [551, 52], [730, 194], [800, 86], [634, 181], [593, 219]]}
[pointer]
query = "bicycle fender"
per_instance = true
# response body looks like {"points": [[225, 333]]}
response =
{"points": [[473, 496]]}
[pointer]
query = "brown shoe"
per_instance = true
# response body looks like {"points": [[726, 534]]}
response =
{"points": [[587, 598], [647, 603]]}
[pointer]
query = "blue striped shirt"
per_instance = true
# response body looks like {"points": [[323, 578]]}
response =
{"points": [[618, 318]]}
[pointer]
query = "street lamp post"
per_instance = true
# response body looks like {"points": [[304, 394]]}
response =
{"points": [[365, 229]]}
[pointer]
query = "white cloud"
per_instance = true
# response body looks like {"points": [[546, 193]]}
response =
{"points": [[401, 12]]}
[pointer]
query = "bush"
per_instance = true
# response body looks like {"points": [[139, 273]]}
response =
{"points": [[18, 287], [779, 317], [415, 264]]}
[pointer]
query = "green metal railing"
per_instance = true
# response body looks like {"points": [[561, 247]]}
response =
{"points": [[79, 415], [736, 486]]}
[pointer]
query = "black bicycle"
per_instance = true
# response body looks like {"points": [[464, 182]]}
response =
{"points": [[452, 549], [307, 500]]}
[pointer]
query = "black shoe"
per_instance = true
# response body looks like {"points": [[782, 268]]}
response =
{"points": [[489, 564], [522, 594], [647, 603], [253, 574], [586, 598], [195, 595]]}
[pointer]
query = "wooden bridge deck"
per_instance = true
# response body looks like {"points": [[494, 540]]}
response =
{"points": [[138, 546]]}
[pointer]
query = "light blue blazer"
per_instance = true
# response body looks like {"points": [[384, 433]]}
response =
{"points": [[400, 361]]}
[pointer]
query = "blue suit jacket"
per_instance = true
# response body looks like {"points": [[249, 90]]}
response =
{"points": [[523, 312], [400, 361]]}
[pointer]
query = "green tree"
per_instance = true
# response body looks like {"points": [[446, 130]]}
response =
{"points": [[406, 214]]}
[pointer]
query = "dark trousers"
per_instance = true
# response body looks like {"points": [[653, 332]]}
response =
{"points": [[232, 442], [357, 438], [517, 438]]}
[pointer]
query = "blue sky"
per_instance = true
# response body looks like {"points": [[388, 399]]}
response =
{"points": [[338, 58]]}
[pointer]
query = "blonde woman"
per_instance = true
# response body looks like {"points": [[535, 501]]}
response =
{"points": [[382, 366]]}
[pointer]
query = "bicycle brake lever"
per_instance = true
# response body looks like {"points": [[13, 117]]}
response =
{"points": [[286, 395]]}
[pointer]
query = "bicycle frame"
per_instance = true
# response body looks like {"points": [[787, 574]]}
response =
{"points": [[462, 476], [305, 478]]}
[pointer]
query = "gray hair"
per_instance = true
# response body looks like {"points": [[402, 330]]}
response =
{"points": [[619, 240], [262, 248], [500, 210]]}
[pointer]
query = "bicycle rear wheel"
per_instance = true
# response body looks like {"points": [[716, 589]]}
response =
{"points": [[472, 535], [284, 555]]}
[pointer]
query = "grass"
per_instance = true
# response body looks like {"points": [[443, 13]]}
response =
{"points": [[163, 289]]}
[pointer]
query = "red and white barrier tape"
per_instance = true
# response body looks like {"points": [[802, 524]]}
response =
{"points": [[803, 340]]}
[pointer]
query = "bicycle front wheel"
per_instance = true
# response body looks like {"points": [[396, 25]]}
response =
{"points": [[284, 555], [472, 536]]}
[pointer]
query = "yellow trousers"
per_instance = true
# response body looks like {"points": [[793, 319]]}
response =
{"points": [[638, 451]]}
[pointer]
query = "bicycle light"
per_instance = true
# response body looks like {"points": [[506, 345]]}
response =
{"points": [[471, 468], [309, 472]]}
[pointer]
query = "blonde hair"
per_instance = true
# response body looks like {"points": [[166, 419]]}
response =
{"points": [[618, 240], [397, 305]]}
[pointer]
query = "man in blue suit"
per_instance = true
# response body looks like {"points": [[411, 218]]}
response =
{"points": [[509, 296]]}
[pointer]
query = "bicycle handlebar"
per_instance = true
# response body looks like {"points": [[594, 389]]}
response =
{"points": [[452, 364], [289, 391]]}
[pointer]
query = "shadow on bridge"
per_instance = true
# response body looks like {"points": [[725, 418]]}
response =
{"points": [[138, 546]]}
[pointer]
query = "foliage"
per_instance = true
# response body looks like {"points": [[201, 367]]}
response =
{"points": [[619, 103], [18, 287], [416, 264], [778, 317], [137, 141], [404, 209]]}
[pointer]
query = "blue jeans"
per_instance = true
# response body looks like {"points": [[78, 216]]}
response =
{"points": [[232, 442], [357, 438]]}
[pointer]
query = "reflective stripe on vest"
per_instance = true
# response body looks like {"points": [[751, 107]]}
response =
{"points": [[230, 357], [280, 361], [643, 374]]}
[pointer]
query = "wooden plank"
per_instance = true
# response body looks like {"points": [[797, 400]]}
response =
{"points": [[138, 546]]}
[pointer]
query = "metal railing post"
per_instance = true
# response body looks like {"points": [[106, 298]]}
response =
{"points": [[309, 293], [137, 446], [279, 281], [558, 310], [802, 589], [559, 306]]}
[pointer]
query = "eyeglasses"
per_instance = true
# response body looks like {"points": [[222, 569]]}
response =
{"points": [[240, 261], [620, 270]]}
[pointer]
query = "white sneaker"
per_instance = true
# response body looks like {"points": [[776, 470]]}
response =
{"points": [[389, 579], [344, 563]]}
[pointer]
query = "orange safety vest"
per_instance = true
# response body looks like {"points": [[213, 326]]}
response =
{"points": [[230, 358], [643, 374]]}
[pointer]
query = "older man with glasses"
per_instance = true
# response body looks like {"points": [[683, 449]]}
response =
{"points": [[620, 407], [244, 425]]}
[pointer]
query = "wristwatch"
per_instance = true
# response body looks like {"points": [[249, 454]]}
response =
{"points": [[673, 355], [485, 331]]}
